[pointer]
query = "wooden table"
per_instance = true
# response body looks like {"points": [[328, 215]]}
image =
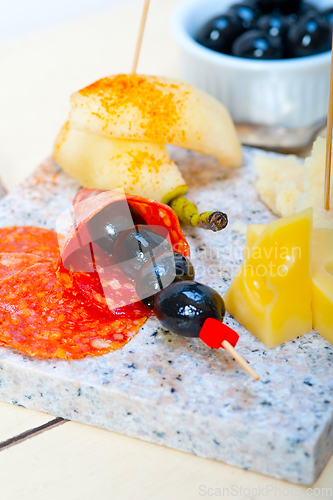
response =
{"points": [[42, 457]]}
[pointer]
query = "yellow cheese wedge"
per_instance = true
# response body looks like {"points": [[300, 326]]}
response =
{"points": [[271, 294], [140, 168], [157, 109], [322, 276], [322, 279], [252, 234]]}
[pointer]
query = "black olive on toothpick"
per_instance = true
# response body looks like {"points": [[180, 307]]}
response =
{"points": [[105, 227], [191, 309], [159, 272], [138, 244]]}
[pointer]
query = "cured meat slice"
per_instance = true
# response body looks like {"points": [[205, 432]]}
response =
{"points": [[40, 318], [11, 263], [87, 269], [29, 239], [89, 202], [94, 275]]}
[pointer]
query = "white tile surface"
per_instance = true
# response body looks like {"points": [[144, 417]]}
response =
{"points": [[24, 17]]}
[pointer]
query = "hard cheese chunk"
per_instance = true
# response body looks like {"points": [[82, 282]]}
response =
{"points": [[286, 186], [271, 294], [322, 276], [314, 181], [279, 182], [322, 280]]}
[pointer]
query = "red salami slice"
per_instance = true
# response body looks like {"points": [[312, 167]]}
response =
{"points": [[11, 263], [40, 318], [85, 268], [88, 202], [94, 275], [29, 239]]}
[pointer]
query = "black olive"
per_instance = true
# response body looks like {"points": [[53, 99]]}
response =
{"points": [[275, 24], [310, 35], [257, 44], [219, 33], [184, 306], [105, 227], [184, 268], [159, 272], [138, 244], [246, 12], [283, 6], [307, 7], [328, 14]]}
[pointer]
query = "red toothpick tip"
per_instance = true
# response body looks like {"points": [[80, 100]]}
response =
{"points": [[213, 333], [216, 334]]}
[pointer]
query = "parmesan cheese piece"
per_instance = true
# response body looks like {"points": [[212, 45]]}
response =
{"points": [[314, 181], [280, 183], [287, 187]]}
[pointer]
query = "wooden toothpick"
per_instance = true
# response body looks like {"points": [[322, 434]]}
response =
{"points": [[328, 169], [139, 41], [244, 364]]}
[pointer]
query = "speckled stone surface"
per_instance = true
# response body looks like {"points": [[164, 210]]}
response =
{"points": [[175, 391]]}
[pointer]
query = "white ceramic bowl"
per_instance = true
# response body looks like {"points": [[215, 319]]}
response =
{"points": [[291, 93]]}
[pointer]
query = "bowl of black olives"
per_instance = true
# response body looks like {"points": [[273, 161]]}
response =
{"points": [[268, 61]]}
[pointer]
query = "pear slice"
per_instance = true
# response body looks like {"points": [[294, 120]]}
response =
{"points": [[140, 168], [159, 110]]}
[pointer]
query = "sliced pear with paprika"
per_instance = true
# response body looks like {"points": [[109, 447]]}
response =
{"points": [[140, 168], [159, 110]]}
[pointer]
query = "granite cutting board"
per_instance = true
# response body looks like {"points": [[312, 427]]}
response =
{"points": [[175, 391]]}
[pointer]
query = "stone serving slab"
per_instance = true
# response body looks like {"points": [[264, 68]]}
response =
{"points": [[174, 391]]}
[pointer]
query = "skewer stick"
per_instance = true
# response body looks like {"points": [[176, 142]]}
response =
{"points": [[139, 41], [244, 364], [329, 141]]}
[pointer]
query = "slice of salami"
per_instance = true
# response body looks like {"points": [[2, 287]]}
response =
{"points": [[11, 263], [29, 239], [38, 317], [95, 275]]}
